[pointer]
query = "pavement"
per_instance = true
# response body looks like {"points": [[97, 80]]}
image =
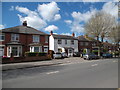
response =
{"points": [[23, 65]]}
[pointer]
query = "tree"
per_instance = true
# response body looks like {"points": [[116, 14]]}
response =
{"points": [[99, 25]]}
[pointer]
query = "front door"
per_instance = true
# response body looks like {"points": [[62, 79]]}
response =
{"points": [[14, 51]]}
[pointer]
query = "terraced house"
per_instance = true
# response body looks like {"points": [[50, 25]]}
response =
{"points": [[63, 43], [17, 40]]}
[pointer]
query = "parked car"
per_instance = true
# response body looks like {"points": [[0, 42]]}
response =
{"points": [[76, 54], [90, 56], [64, 55], [57, 55], [107, 55]]}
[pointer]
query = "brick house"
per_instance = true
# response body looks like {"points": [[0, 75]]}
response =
{"points": [[88, 43], [84, 44], [20, 39]]}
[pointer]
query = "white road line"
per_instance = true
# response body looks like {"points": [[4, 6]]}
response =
{"points": [[115, 61], [94, 65], [52, 72]]}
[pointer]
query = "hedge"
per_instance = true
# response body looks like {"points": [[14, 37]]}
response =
{"points": [[30, 54]]}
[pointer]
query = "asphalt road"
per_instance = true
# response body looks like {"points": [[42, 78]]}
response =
{"points": [[91, 74]]}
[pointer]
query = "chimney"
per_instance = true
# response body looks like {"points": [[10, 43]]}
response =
{"points": [[24, 23], [73, 34], [51, 32]]}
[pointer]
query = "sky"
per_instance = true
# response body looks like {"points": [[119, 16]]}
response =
{"points": [[60, 17]]}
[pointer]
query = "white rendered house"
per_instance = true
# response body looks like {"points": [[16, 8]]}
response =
{"points": [[63, 43]]}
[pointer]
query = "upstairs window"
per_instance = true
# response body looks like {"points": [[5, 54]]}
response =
{"points": [[15, 37], [2, 37], [86, 43], [65, 41], [81, 43], [59, 41], [72, 42], [46, 39], [36, 38]]}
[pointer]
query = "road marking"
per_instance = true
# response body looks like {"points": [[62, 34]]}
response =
{"points": [[94, 65], [52, 72], [115, 61]]}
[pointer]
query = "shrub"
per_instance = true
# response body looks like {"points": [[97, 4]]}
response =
{"points": [[30, 54]]}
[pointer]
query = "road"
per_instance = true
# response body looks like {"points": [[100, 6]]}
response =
{"points": [[90, 74]]}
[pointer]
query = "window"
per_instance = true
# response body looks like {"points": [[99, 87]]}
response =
{"points": [[81, 43], [46, 39], [72, 42], [36, 49], [46, 49], [65, 41], [2, 37], [59, 41], [86, 44], [36, 38], [15, 37]]}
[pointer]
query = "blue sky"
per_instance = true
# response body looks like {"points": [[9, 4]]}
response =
{"points": [[61, 17]]}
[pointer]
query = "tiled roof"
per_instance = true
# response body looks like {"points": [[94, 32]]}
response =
{"points": [[22, 29], [82, 38], [64, 37]]}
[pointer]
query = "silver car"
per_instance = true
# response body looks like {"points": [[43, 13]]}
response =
{"points": [[57, 55]]}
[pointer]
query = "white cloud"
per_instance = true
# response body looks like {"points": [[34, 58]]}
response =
{"points": [[57, 17], [32, 18], [48, 11], [111, 8], [51, 28], [68, 21], [2, 26], [66, 34]]}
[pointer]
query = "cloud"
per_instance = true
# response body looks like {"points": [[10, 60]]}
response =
{"points": [[51, 28], [68, 21], [2, 26], [57, 17], [66, 34], [111, 8], [49, 11], [32, 18]]}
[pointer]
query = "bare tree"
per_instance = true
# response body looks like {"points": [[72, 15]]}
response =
{"points": [[99, 25]]}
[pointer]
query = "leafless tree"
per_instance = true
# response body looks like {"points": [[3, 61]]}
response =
{"points": [[99, 25]]}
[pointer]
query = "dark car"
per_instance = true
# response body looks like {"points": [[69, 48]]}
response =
{"points": [[107, 55], [64, 55], [76, 54], [90, 56]]}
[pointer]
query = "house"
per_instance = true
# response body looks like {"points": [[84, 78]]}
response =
{"points": [[89, 44], [63, 43], [84, 44], [109, 47], [17, 40]]}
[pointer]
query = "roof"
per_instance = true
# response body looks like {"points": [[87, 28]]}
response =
{"points": [[64, 37], [108, 44], [82, 38], [22, 29]]}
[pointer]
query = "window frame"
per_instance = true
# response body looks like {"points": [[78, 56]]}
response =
{"points": [[2, 35], [36, 40], [14, 36], [59, 41], [72, 42]]}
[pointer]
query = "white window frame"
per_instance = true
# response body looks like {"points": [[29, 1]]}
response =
{"points": [[32, 48], [72, 42], [66, 41], [46, 47], [9, 50], [34, 38], [14, 37], [2, 35]]}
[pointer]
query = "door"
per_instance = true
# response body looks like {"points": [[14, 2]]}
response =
{"points": [[1, 51], [15, 51]]}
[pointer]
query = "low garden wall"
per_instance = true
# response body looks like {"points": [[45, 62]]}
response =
{"points": [[28, 58]]}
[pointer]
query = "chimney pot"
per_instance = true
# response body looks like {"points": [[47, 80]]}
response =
{"points": [[73, 34], [51, 32], [25, 23]]}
